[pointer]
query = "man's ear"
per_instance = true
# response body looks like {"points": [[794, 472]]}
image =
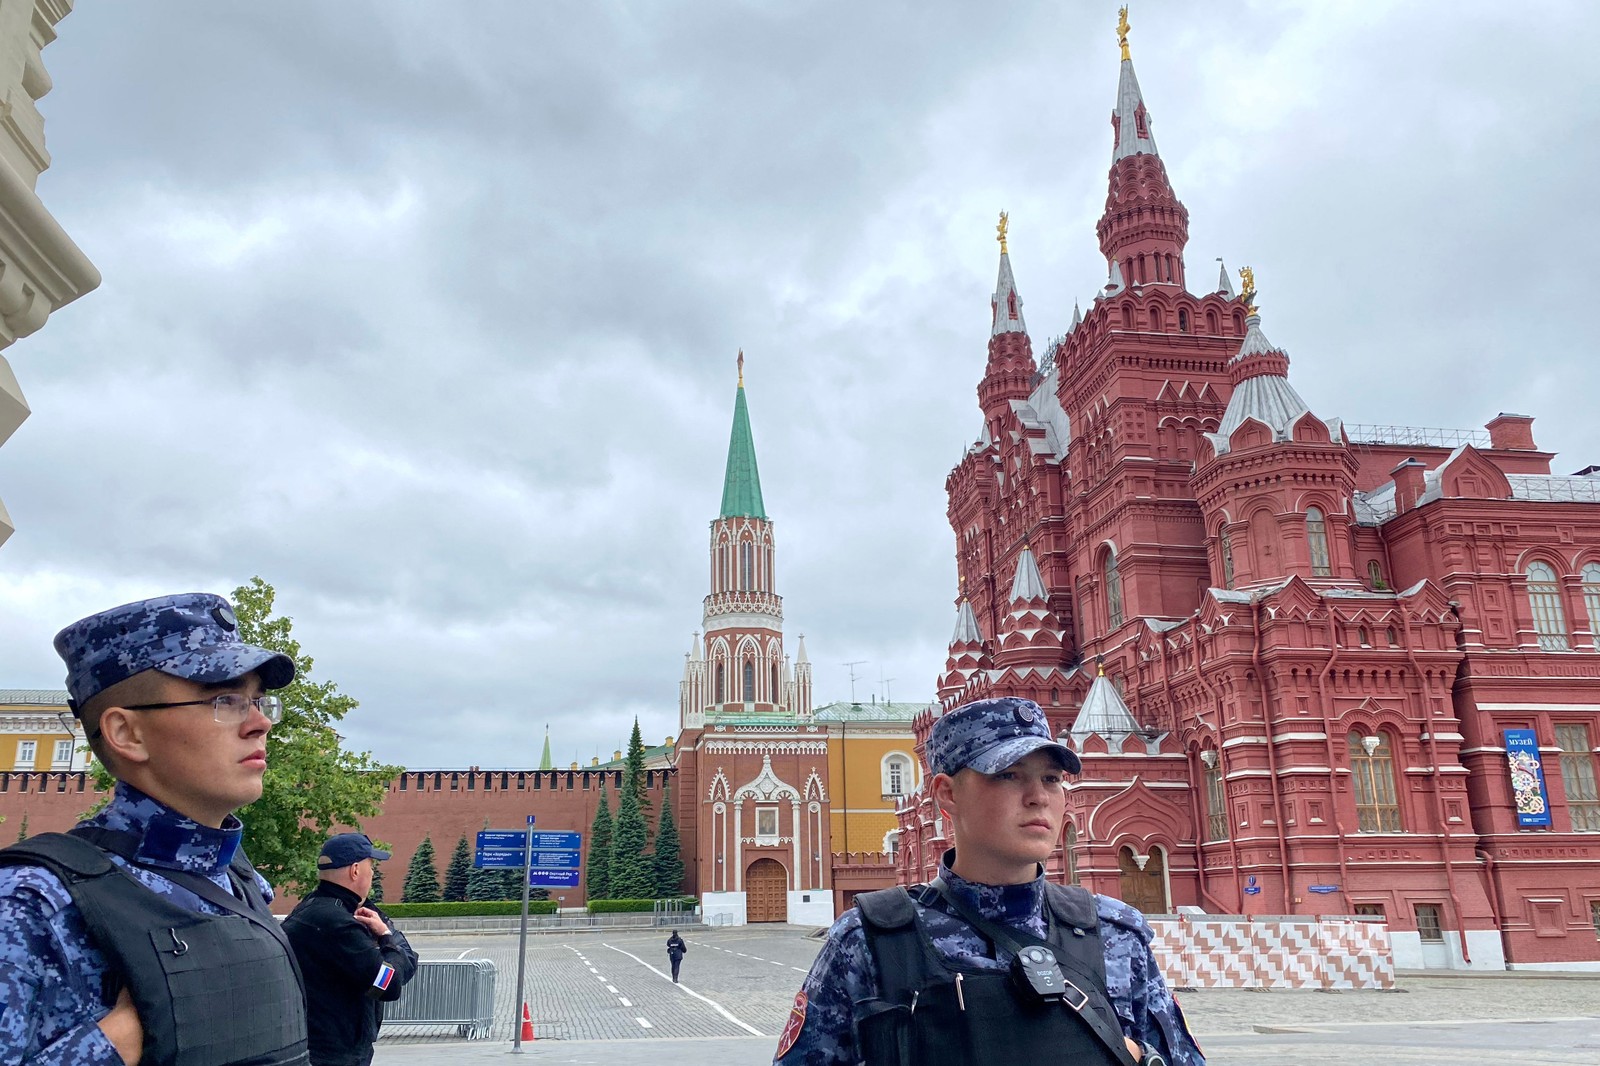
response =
{"points": [[942, 789], [123, 734]]}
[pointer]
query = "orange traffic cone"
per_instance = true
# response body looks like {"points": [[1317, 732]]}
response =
{"points": [[527, 1023]]}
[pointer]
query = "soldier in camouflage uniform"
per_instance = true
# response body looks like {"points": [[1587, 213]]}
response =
{"points": [[999, 775], [171, 701]]}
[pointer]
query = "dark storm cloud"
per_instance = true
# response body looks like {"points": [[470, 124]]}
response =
{"points": [[427, 315]]}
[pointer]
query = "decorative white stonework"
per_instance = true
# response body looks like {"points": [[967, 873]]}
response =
{"points": [[719, 787], [778, 747], [814, 788], [767, 785]]}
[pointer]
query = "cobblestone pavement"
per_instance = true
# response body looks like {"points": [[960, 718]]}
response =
{"points": [[614, 988]]}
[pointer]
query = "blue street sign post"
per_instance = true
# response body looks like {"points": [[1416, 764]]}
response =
{"points": [[551, 861], [522, 940]]}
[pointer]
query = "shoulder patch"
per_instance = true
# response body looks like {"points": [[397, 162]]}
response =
{"points": [[792, 1027]]}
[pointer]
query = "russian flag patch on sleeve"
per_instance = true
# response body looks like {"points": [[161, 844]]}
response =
{"points": [[385, 975]]}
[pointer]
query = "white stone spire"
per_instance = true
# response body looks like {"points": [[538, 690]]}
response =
{"points": [[966, 625], [1104, 713], [1132, 121], [1114, 282], [1224, 283], [1077, 317], [800, 649], [1029, 583], [1007, 303]]}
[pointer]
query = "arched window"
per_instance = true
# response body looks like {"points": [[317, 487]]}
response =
{"points": [[1213, 324], [722, 684], [1366, 637], [1156, 321], [749, 681], [747, 565], [1183, 321], [1372, 769], [1375, 575], [773, 678], [1226, 540], [1113, 591], [1317, 541], [1591, 598], [1549, 617], [896, 774], [1216, 795]]}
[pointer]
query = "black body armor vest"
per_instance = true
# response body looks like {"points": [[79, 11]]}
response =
{"points": [[930, 1009], [210, 990]]}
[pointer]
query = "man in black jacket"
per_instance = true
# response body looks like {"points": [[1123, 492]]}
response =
{"points": [[352, 958], [676, 950]]}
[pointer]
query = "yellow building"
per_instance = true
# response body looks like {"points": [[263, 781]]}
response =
{"points": [[872, 764], [32, 736]]}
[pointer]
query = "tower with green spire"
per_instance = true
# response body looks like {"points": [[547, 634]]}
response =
{"points": [[741, 485], [738, 669], [544, 760]]}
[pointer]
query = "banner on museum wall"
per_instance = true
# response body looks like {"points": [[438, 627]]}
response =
{"points": [[1527, 778]]}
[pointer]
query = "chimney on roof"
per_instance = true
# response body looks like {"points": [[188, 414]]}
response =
{"points": [[1408, 485], [1510, 432], [616, 756]]}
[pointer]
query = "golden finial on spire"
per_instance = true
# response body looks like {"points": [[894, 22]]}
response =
{"points": [[1000, 229], [1247, 282], [741, 368], [1122, 30], [1100, 660]]}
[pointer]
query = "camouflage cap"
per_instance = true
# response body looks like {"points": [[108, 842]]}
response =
{"points": [[990, 735], [192, 635]]}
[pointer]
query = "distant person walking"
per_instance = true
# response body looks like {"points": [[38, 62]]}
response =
{"points": [[676, 950]]}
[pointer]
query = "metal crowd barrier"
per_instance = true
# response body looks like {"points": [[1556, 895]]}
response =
{"points": [[458, 992]]}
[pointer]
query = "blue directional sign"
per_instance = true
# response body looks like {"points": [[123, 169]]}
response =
{"points": [[503, 838], [499, 859], [553, 878], [555, 860], [556, 842], [530, 819]]}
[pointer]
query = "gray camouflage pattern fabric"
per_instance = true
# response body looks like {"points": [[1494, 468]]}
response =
{"points": [[990, 735], [844, 973], [50, 974], [192, 635]]}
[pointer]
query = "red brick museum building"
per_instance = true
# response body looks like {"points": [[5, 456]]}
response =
{"points": [[1289, 649]]}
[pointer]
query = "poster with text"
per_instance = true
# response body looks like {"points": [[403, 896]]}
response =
{"points": [[1527, 778]]}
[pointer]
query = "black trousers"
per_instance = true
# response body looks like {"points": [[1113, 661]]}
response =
{"points": [[675, 964]]}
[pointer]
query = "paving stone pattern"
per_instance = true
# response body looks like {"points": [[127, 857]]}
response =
{"points": [[752, 973]]}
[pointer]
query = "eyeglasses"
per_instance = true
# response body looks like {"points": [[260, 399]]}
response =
{"points": [[230, 708]]}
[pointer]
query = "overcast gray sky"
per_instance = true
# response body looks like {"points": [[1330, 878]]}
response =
{"points": [[427, 314]]}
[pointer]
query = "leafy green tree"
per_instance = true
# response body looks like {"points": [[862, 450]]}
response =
{"points": [[668, 859], [634, 776], [22, 832], [597, 875], [632, 875], [312, 786], [376, 895], [422, 880], [456, 874]]}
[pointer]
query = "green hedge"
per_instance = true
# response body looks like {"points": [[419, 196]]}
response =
{"points": [[629, 906], [512, 907]]}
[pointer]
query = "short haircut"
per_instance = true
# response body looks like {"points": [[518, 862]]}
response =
{"points": [[144, 687]]}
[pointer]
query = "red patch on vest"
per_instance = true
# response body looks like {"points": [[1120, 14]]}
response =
{"points": [[791, 1028]]}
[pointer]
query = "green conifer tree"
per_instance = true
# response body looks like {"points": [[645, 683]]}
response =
{"points": [[632, 875], [456, 874], [485, 883], [597, 873], [422, 879], [376, 895], [668, 859], [634, 776]]}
